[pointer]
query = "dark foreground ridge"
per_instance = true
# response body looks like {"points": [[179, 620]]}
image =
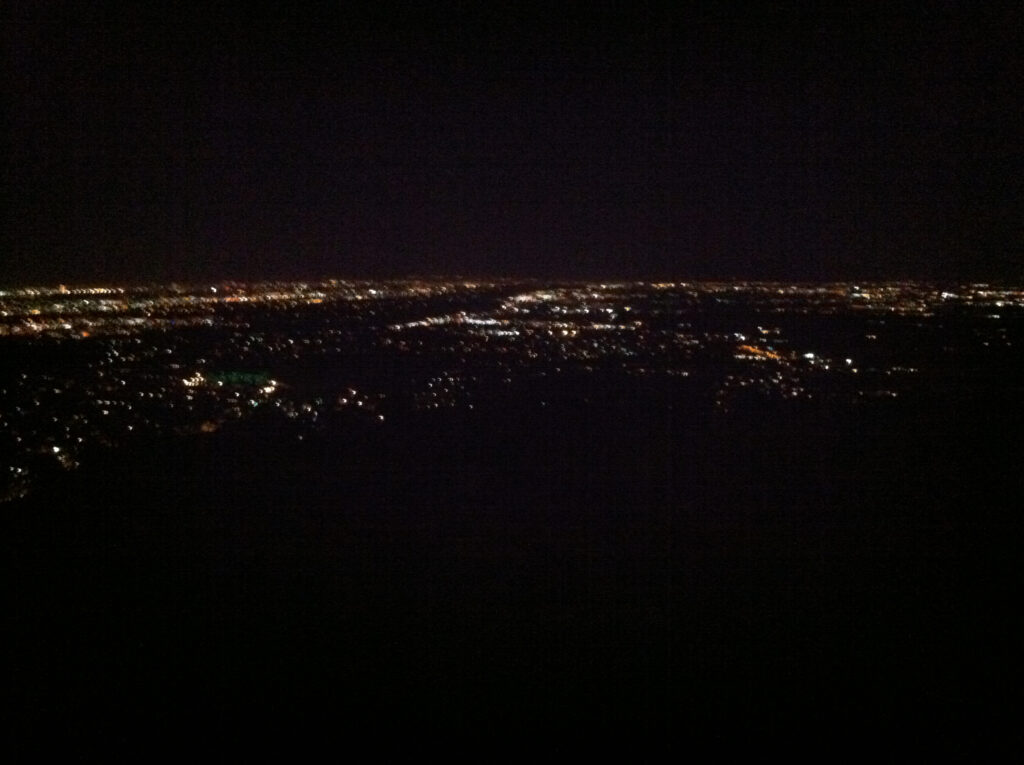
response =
{"points": [[570, 575]]}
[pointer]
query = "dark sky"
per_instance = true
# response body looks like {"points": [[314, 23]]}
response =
{"points": [[838, 144]]}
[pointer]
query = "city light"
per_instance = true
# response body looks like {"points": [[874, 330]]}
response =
{"points": [[194, 359]]}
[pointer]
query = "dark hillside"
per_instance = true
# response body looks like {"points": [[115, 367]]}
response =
{"points": [[582, 570]]}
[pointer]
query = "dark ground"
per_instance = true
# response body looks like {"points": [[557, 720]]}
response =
{"points": [[527, 579]]}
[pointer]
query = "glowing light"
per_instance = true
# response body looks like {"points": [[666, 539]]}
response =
{"points": [[760, 352]]}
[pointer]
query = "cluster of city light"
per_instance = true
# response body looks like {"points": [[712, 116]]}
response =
{"points": [[159, 358], [88, 311]]}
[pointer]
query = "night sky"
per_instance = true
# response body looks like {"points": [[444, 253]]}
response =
{"points": [[627, 144]]}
